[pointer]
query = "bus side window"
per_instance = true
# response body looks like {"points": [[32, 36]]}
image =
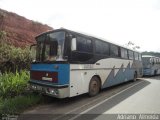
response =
{"points": [[150, 60], [140, 57], [114, 51], [155, 60], [84, 45], [101, 48], [131, 56], [124, 53], [135, 55]]}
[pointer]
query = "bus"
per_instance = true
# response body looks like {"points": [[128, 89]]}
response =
{"points": [[151, 65], [69, 63]]}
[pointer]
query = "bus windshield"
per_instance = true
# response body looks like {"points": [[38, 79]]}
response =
{"points": [[50, 47], [146, 62]]}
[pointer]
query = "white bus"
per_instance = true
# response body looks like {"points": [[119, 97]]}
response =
{"points": [[70, 63], [151, 65]]}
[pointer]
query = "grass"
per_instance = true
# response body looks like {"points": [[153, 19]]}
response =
{"points": [[18, 104], [14, 94], [15, 97]]}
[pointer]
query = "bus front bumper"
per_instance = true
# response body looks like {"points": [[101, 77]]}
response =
{"points": [[58, 91]]}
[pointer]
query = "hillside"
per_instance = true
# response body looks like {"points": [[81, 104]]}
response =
{"points": [[20, 31]]}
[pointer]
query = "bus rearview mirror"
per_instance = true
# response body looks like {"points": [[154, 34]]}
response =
{"points": [[74, 44], [33, 52]]}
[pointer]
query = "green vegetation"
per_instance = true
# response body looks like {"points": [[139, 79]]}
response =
{"points": [[2, 35], [13, 84], [18, 104], [157, 54], [2, 14], [36, 23], [11, 57], [15, 95]]}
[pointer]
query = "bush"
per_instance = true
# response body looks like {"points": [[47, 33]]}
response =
{"points": [[2, 35], [13, 84], [12, 58]]}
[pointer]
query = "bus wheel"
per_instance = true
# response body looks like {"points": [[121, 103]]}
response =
{"points": [[155, 72], [135, 76], [94, 86]]}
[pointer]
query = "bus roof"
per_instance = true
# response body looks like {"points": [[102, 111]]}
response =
{"points": [[149, 56]]}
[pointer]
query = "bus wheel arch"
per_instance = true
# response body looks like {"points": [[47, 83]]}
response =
{"points": [[155, 72], [135, 76], [94, 86]]}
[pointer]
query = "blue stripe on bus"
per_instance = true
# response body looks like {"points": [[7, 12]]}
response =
{"points": [[148, 71], [63, 71], [120, 77]]}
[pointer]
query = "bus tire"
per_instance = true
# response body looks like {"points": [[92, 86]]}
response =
{"points": [[155, 72], [135, 76], [94, 86]]}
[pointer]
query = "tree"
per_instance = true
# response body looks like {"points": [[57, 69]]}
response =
{"points": [[132, 45]]}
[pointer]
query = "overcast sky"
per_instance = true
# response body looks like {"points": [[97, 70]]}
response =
{"points": [[119, 21]]}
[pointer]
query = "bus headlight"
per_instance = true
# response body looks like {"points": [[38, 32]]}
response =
{"points": [[52, 91], [33, 87]]}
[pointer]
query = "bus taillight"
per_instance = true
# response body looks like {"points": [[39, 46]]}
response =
{"points": [[55, 77]]}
